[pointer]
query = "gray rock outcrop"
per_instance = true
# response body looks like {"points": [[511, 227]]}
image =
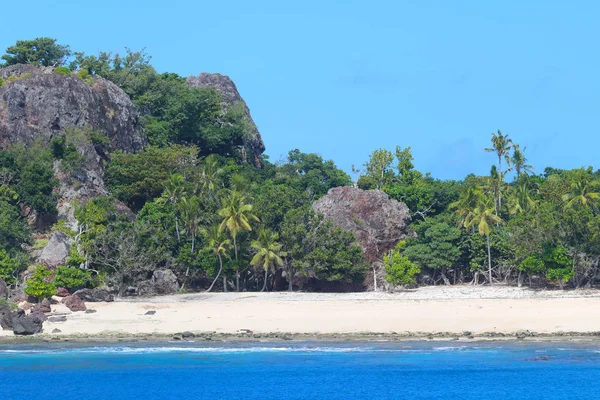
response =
{"points": [[56, 251], [229, 97], [36, 101], [5, 317], [163, 281], [95, 295], [377, 221], [26, 324]]}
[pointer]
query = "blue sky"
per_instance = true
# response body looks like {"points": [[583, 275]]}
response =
{"points": [[344, 80]]}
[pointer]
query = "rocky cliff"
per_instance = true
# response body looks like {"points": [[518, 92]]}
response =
{"points": [[229, 97], [377, 221], [38, 101]]}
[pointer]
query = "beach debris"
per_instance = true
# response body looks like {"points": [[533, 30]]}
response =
{"points": [[245, 331], [95, 295], [151, 312], [60, 318], [25, 324], [90, 311], [74, 303], [56, 330]]}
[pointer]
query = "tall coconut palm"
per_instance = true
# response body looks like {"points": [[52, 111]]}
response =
{"points": [[174, 191], [468, 200], [190, 209], [501, 145], [209, 175], [521, 197], [484, 218], [216, 243], [190, 212], [518, 161], [268, 253], [237, 215], [584, 191]]}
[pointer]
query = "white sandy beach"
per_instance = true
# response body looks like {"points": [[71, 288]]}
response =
{"points": [[429, 309]]}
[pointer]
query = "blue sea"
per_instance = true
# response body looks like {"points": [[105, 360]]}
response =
{"points": [[307, 370]]}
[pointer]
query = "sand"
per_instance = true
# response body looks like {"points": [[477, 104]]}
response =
{"points": [[430, 309]]}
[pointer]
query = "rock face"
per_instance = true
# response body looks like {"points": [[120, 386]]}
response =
{"points": [[56, 251], [74, 303], [94, 295], [163, 281], [229, 97], [3, 290], [43, 103], [26, 324], [377, 221]]}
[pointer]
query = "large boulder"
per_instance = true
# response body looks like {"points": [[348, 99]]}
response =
{"points": [[4, 292], [36, 101], [377, 221], [26, 324], [230, 96], [163, 281], [56, 251], [5, 317], [95, 295], [74, 303]]}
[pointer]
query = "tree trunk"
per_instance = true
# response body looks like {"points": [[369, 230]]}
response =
{"points": [[374, 278], [218, 273], [520, 279], [265, 284], [500, 184], [225, 284], [237, 281], [177, 229], [489, 245], [237, 273], [290, 281], [445, 278]]}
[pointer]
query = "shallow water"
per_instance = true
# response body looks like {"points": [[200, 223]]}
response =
{"points": [[308, 370]]}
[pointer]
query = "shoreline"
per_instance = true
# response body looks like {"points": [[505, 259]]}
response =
{"points": [[463, 313], [279, 337]]}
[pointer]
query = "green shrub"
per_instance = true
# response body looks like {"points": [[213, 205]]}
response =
{"points": [[10, 266], [12, 306], [398, 268], [40, 244], [75, 259], [61, 226], [1, 82], [72, 278], [85, 76], [41, 285], [62, 71]]}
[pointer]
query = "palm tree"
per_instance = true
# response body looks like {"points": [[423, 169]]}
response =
{"points": [[583, 191], [217, 244], [468, 200], [268, 252], [236, 214], [209, 175], [484, 218], [518, 161], [501, 145], [521, 199], [190, 212], [174, 191]]}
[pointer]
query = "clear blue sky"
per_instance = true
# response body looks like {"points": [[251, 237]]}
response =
{"points": [[343, 80]]}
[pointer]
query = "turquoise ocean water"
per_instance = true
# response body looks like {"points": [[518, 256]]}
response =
{"points": [[308, 370]]}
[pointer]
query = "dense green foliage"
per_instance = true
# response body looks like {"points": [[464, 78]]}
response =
{"points": [[41, 285], [220, 223]]}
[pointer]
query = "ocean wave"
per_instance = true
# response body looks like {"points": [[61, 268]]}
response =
{"points": [[243, 349]]}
